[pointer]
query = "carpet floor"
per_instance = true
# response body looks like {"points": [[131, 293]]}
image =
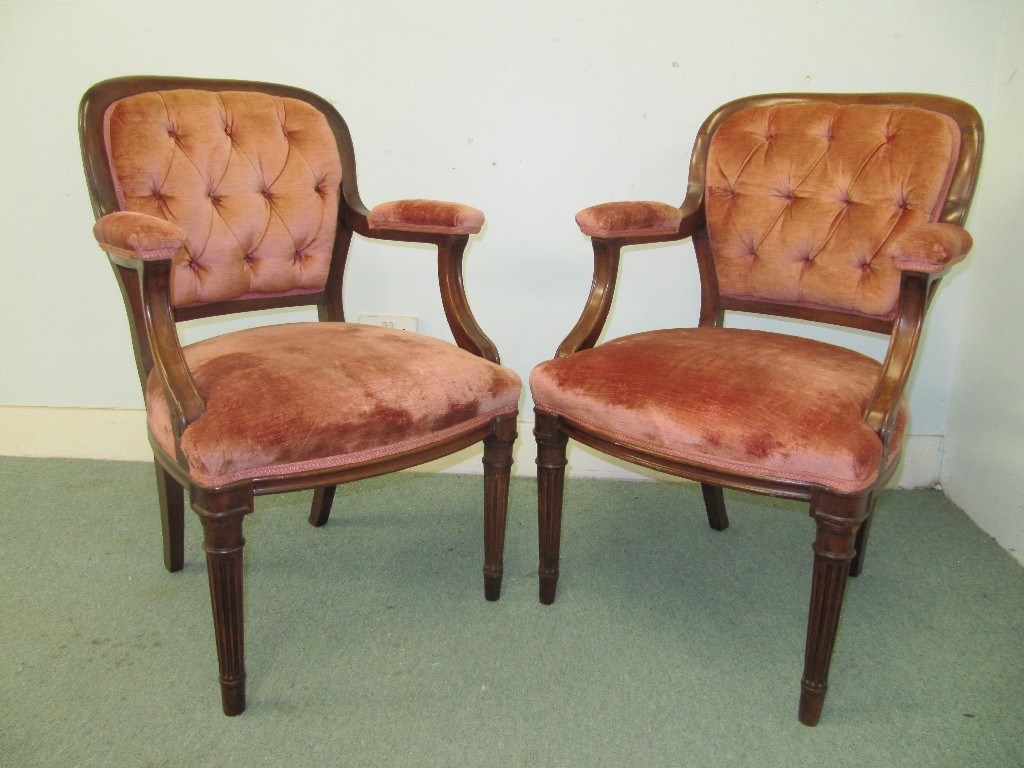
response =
{"points": [[369, 642]]}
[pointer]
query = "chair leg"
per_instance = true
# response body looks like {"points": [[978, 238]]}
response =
{"points": [[172, 518], [222, 514], [714, 502], [497, 472], [320, 510], [551, 443], [862, 538], [837, 520]]}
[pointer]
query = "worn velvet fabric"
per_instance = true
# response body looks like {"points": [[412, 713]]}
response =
{"points": [[434, 216], [631, 218], [252, 179], [803, 200], [287, 398], [931, 248], [753, 403], [138, 236]]}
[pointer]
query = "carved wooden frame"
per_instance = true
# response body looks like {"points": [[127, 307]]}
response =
{"points": [[145, 287], [843, 520]]}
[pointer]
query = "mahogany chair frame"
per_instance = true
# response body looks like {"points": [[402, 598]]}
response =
{"points": [[842, 520], [145, 287]]}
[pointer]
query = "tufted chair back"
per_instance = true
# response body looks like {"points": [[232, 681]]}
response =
{"points": [[252, 178], [804, 200]]}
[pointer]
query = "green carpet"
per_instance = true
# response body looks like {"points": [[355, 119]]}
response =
{"points": [[370, 644]]}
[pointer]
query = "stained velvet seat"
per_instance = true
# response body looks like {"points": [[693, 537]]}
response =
{"points": [[841, 209], [215, 197]]}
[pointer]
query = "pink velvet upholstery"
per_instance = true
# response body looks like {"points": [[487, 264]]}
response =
{"points": [[754, 403], [930, 248], [841, 209], [138, 236], [217, 197], [355, 392], [803, 199], [252, 179], [636, 218], [426, 216]]}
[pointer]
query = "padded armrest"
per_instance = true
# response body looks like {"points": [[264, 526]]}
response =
{"points": [[930, 248], [138, 236], [434, 216], [630, 219]]}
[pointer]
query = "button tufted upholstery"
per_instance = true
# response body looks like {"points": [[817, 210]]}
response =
{"points": [[804, 200], [834, 208], [215, 197], [252, 179]]}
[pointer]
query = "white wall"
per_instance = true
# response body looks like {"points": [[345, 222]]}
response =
{"points": [[984, 467], [529, 110]]}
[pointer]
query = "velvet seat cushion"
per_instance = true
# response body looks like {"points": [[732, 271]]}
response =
{"points": [[749, 402], [288, 398]]}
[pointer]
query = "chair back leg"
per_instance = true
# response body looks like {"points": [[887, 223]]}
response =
{"points": [[551, 444], [320, 510], [714, 503], [172, 518], [862, 538]]}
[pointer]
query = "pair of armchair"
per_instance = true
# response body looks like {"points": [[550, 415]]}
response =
{"points": [[214, 197]]}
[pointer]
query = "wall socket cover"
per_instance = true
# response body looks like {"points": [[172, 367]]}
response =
{"points": [[396, 322]]}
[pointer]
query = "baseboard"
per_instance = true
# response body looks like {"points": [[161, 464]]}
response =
{"points": [[102, 433]]}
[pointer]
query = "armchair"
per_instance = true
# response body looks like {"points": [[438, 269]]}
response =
{"points": [[214, 197], [841, 209]]}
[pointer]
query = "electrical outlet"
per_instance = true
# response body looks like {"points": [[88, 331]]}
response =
{"points": [[397, 322]]}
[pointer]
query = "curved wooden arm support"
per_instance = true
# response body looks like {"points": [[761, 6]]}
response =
{"points": [[468, 334], [599, 302], [183, 398], [451, 248], [607, 252], [884, 404]]}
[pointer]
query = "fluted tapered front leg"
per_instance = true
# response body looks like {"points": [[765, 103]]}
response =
{"points": [[551, 442], [222, 514], [497, 471], [834, 549]]}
